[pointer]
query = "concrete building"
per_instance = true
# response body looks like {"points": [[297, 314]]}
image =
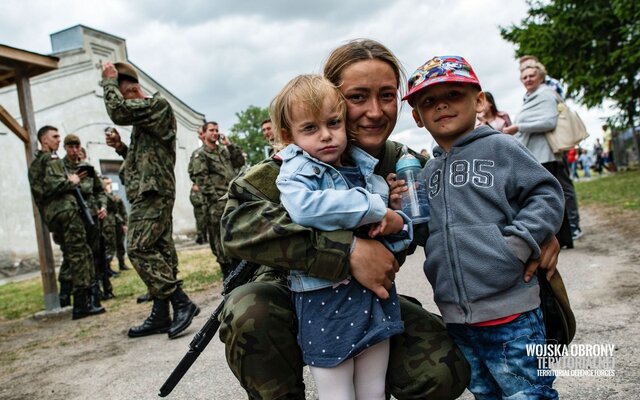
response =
{"points": [[70, 98]]}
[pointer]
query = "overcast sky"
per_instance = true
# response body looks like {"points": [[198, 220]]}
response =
{"points": [[221, 56]]}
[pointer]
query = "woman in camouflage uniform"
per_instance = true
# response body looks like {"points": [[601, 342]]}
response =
{"points": [[264, 354]]}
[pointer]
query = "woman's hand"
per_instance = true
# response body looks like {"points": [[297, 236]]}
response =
{"points": [[374, 266]]}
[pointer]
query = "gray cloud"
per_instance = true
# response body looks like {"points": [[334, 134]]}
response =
{"points": [[198, 11], [222, 56]]}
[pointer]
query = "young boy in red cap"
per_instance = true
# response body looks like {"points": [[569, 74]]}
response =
{"points": [[492, 206]]}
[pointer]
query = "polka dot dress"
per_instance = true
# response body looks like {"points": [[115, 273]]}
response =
{"points": [[339, 323]]}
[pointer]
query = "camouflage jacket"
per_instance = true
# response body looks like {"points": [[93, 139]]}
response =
{"points": [[151, 156], [91, 187], [213, 169], [195, 197], [50, 186], [256, 227]]}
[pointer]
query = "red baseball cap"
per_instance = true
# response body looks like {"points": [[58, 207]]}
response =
{"points": [[441, 69]]}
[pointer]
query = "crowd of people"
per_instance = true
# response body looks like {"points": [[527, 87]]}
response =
{"points": [[322, 217]]}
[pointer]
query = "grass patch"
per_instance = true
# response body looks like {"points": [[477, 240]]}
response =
{"points": [[18, 299], [198, 269], [620, 190]]}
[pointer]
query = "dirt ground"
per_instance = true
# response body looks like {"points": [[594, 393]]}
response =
{"points": [[56, 358]]}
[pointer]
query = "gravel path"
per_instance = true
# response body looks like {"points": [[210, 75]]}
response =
{"points": [[53, 359]]}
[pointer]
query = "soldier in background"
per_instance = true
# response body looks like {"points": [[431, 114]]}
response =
{"points": [[212, 169], [267, 132], [109, 223], [197, 199], [114, 226], [149, 179], [52, 189], [96, 199], [121, 231]]}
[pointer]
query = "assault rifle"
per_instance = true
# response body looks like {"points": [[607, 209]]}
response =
{"points": [[238, 277], [85, 213]]}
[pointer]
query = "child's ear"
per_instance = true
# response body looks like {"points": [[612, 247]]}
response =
{"points": [[481, 99], [416, 117]]}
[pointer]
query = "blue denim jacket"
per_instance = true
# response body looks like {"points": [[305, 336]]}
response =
{"points": [[316, 195]]}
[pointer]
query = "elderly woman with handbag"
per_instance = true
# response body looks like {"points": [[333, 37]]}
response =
{"points": [[538, 116]]}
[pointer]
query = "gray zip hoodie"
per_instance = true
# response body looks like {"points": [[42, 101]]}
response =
{"points": [[492, 205]]}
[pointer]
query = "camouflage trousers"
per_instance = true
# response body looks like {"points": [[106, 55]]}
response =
{"points": [[214, 214], [259, 328], [150, 243], [93, 240], [77, 265], [109, 234], [120, 238], [199, 212]]}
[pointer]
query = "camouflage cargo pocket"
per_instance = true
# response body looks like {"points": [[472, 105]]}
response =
{"points": [[149, 218]]}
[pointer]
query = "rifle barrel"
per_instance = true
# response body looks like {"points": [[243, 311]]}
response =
{"points": [[240, 275], [198, 343]]}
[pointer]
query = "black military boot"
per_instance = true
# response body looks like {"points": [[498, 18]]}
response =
{"points": [[199, 239], [183, 312], [95, 294], [83, 306], [107, 288], [111, 273], [158, 321], [144, 298], [65, 293], [121, 265]]}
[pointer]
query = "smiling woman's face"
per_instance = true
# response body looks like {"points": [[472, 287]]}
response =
{"points": [[371, 90]]}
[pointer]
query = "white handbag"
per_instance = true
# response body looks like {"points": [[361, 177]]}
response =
{"points": [[569, 131]]}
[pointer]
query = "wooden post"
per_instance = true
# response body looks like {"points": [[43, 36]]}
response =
{"points": [[45, 252]]}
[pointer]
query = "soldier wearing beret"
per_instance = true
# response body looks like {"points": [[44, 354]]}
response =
{"points": [[212, 168], [150, 187], [52, 189]]}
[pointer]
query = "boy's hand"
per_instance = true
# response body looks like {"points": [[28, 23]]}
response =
{"points": [[396, 187], [391, 223], [548, 260]]}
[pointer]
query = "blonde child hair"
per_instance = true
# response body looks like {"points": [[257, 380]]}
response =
{"points": [[310, 90]]}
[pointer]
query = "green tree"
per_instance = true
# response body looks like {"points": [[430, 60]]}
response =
{"points": [[247, 133], [593, 46]]}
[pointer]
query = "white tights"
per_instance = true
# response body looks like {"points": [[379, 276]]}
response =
{"points": [[359, 378]]}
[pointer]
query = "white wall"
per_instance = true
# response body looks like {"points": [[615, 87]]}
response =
{"points": [[70, 99]]}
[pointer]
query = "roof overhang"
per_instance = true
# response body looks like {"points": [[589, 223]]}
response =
{"points": [[16, 62]]}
